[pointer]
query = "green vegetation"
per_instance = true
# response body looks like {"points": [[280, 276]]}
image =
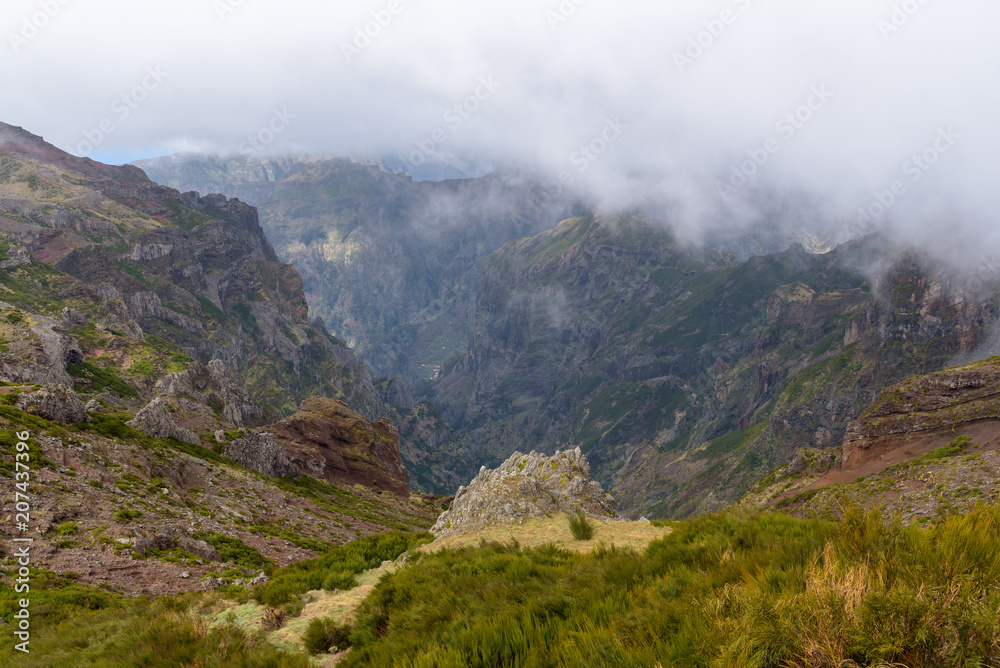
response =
{"points": [[101, 378], [324, 634], [233, 549], [72, 625], [723, 590], [582, 528], [351, 559]]}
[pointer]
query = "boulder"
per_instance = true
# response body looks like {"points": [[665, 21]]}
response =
{"points": [[155, 420], [261, 452], [532, 485], [57, 403]]}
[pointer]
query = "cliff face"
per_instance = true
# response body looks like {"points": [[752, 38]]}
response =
{"points": [[391, 265], [196, 272], [683, 375]]}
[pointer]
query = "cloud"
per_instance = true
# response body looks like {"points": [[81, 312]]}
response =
{"points": [[700, 86]]}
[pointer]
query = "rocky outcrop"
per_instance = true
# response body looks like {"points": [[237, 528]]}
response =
{"points": [[261, 452], [57, 403], [155, 419], [211, 386], [949, 401], [327, 440], [532, 485]]}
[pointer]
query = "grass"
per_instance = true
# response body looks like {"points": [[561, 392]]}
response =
{"points": [[722, 590], [337, 567], [581, 527]]}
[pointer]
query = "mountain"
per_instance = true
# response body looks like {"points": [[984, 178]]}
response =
{"points": [[391, 265], [684, 375], [176, 404]]}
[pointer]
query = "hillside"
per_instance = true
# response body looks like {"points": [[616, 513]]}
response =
{"points": [[926, 448], [144, 334]]}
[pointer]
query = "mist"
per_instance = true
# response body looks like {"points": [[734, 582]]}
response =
{"points": [[709, 115]]}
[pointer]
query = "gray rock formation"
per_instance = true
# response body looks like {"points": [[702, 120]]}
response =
{"points": [[57, 403], [261, 453], [524, 486], [155, 420], [115, 315], [210, 385]]}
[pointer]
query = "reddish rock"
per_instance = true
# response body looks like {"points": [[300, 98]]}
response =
{"points": [[327, 440]]}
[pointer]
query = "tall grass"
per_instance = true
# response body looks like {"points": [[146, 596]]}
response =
{"points": [[581, 527], [756, 591]]}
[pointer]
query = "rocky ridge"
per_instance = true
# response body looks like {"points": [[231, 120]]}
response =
{"points": [[525, 486]]}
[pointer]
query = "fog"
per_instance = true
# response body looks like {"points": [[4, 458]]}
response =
{"points": [[705, 114]]}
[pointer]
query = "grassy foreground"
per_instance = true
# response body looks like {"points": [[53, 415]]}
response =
{"points": [[724, 590]]}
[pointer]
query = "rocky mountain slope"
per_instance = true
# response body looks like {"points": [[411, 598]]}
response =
{"points": [[142, 267], [684, 375], [143, 334], [925, 447]]}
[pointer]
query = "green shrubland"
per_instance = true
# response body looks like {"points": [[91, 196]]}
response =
{"points": [[755, 591], [724, 590]]}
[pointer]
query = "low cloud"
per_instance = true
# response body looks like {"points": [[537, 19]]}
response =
{"points": [[696, 89]]}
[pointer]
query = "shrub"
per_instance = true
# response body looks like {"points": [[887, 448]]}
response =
{"points": [[582, 528], [324, 634], [128, 515], [68, 529], [343, 580]]}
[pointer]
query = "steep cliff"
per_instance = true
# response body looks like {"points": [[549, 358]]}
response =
{"points": [[195, 273]]}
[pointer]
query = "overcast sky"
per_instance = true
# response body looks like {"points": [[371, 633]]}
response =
{"points": [[669, 97]]}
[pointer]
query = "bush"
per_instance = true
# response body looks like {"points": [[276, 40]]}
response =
{"points": [[324, 634], [343, 580], [128, 515], [582, 528]]}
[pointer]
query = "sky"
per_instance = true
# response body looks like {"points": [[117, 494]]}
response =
{"points": [[882, 113]]}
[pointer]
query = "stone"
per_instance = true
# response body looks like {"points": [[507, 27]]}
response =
{"points": [[220, 436], [185, 574], [532, 485], [155, 420], [257, 580], [57, 403], [199, 548], [93, 405], [260, 452], [211, 584]]}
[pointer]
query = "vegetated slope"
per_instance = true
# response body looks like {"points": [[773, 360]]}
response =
{"points": [[720, 590], [684, 375], [195, 272], [925, 448]]}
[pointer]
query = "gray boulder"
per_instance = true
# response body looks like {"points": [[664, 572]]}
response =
{"points": [[261, 453], [155, 420], [57, 403]]}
